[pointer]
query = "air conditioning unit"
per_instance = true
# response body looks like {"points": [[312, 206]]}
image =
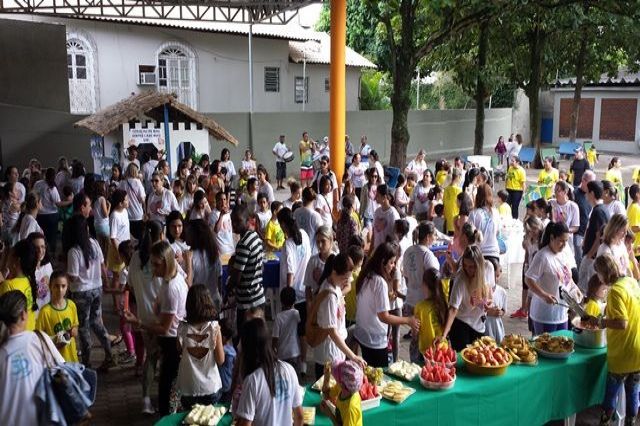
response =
{"points": [[147, 79]]}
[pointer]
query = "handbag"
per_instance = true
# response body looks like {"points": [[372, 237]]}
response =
{"points": [[65, 391]]}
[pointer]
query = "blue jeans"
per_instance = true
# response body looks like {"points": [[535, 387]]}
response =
{"points": [[89, 305], [631, 383]]}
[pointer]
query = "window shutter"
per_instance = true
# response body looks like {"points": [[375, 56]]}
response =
{"points": [[271, 79]]}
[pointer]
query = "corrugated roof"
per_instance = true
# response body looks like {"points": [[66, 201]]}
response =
{"points": [[623, 78], [319, 52]]}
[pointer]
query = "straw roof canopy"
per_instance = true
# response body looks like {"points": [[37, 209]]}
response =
{"points": [[150, 104]]}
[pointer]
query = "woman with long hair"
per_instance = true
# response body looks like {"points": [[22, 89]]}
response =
{"points": [[171, 310], [48, 215], [368, 203], [22, 361], [515, 183], [264, 187], [372, 314], [132, 185], [356, 173], [225, 161], [486, 219], [62, 173], [200, 209], [43, 268], [248, 164], [161, 201], [614, 172], [22, 273], [86, 270], [417, 259], [205, 259], [611, 199], [270, 394], [419, 200], [346, 226], [77, 177], [612, 244], [27, 222], [469, 297]]}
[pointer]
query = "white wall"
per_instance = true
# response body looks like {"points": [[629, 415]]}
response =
{"points": [[221, 64], [626, 147]]}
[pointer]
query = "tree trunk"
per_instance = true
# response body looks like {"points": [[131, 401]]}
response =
{"points": [[481, 89], [536, 43], [400, 104], [577, 93]]}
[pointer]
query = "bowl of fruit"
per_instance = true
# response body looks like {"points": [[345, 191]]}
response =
{"points": [[441, 352], [485, 358], [437, 376]]}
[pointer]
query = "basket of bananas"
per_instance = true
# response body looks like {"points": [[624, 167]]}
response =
{"points": [[520, 350]]}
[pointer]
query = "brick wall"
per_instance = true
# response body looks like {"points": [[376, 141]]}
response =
{"points": [[585, 118], [618, 119]]}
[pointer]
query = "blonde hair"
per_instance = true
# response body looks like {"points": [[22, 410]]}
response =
{"points": [[324, 232], [607, 268], [613, 227], [162, 250], [132, 171], [475, 285]]}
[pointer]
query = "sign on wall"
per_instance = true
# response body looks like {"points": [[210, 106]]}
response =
{"points": [[148, 135]]}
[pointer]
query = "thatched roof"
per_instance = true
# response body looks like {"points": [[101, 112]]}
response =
{"points": [[150, 104]]}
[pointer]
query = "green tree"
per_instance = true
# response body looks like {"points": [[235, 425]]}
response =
{"points": [[374, 91]]}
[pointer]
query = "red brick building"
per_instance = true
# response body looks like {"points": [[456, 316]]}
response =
{"points": [[609, 112]]}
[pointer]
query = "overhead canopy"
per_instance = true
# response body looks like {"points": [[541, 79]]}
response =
{"points": [[150, 104], [239, 11]]}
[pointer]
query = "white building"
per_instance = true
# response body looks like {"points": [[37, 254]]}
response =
{"points": [[204, 63]]}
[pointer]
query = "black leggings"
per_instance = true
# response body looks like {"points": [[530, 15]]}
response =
{"points": [[462, 334], [169, 362], [514, 201], [375, 357]]}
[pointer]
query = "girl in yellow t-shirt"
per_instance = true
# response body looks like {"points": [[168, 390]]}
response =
{"points": [[273, 235], [22, 267], [595, 300], [431, 312], [515, 184], [614, 174], [449, 200], [59, 318], [345, 394]]}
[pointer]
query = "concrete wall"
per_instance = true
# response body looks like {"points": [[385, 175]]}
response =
{"points": [[33, 68], [26, 133], [222, 71], [626, 147]]}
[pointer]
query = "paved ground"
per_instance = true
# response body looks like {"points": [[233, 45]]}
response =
{"points": [[119, 401]]}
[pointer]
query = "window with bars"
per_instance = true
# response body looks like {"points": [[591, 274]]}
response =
{"points": [[82, 90], [271, 79], [301, 89], [176, 73]]}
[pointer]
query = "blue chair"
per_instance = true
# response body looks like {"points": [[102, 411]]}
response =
{"points": [[527, 154], [568, 149]]}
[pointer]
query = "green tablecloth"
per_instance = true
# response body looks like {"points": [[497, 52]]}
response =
{"points": [[554, 389]]}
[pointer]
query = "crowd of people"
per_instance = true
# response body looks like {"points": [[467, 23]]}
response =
{"points": [[182, 258]]}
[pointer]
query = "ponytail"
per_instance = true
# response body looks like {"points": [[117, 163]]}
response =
{"points": [[12, 304], [339, 263]]}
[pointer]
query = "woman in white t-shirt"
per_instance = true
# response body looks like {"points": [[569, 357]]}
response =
{"points": [[374, 161], [77, 177], [270, 389], [85, 267], [417, 166], [384, 217], [296, 253], [27, 222], [372, 313], [547, 272], [119, 231], [43, 268], [611, 201], [171, 304], [469, 297], [48, 214], [264, 187], [249, 164], [225, 161], [336, 281], [324, 201], [419, 200], [487, 220], [417, 259], [368, 203], [356, 174], [613, 244], [220, 223], [200, 344], [161, 201], [136, 194], [22, 361], [205, 259]]}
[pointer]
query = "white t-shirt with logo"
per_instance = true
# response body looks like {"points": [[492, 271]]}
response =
{"points": [[356, 174], [416, 260], [383, 223], [88, 278], [549, 271], [309, 220], [172, 299], [285, 329], [331, 314], [48, 196], [258, 406], [420, 199], [134, 189], [489, 224], [160, 205], [294, 261], [372, 300], [224, 236]]}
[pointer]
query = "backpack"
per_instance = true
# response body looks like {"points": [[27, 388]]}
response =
{"points": [[314, 334]]}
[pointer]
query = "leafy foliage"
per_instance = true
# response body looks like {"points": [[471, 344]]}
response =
{"points": [[374, 91]]}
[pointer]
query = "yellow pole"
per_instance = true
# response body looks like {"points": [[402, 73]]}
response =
{"points": [[337, 81]]}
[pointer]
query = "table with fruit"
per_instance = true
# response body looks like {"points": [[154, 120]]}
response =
{"points": [[486, 384]]}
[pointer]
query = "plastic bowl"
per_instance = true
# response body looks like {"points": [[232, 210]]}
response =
{"points": [[437, 385], [486, 370]]}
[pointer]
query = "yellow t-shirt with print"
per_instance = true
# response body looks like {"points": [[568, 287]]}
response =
{"points": [[516, 177], [548, 177], [52, 321], [614, 176], [635, 177], [450, 204], [441, 177], [350, 298], [504, 210], [623, 346], [593, 308], [273, 234], [633, 216], [430, 327], [22, 284], [592, 157], [349, 410]]}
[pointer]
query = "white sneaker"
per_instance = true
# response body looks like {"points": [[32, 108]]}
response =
{"points": [[147, 407]]}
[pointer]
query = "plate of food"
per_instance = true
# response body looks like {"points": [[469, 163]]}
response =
{"points": [[397, 392], [486, 358], [404, 370], [437, 376], [554, 347], [204, 415], [520, 350]]}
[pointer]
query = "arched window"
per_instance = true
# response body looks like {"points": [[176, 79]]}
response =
{"points": [[81, 75], [177, 73]]}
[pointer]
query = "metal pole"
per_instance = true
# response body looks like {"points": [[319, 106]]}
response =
{"points": [[167, 139], [337, 95], [418, 90], [304, 80], [251, 86]]}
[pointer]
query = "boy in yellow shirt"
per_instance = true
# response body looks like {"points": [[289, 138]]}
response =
{"points": [[449, 201], [273, 234], [431, 312], [345, 394], [504, 209], [592, 156], [59, 318]]}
